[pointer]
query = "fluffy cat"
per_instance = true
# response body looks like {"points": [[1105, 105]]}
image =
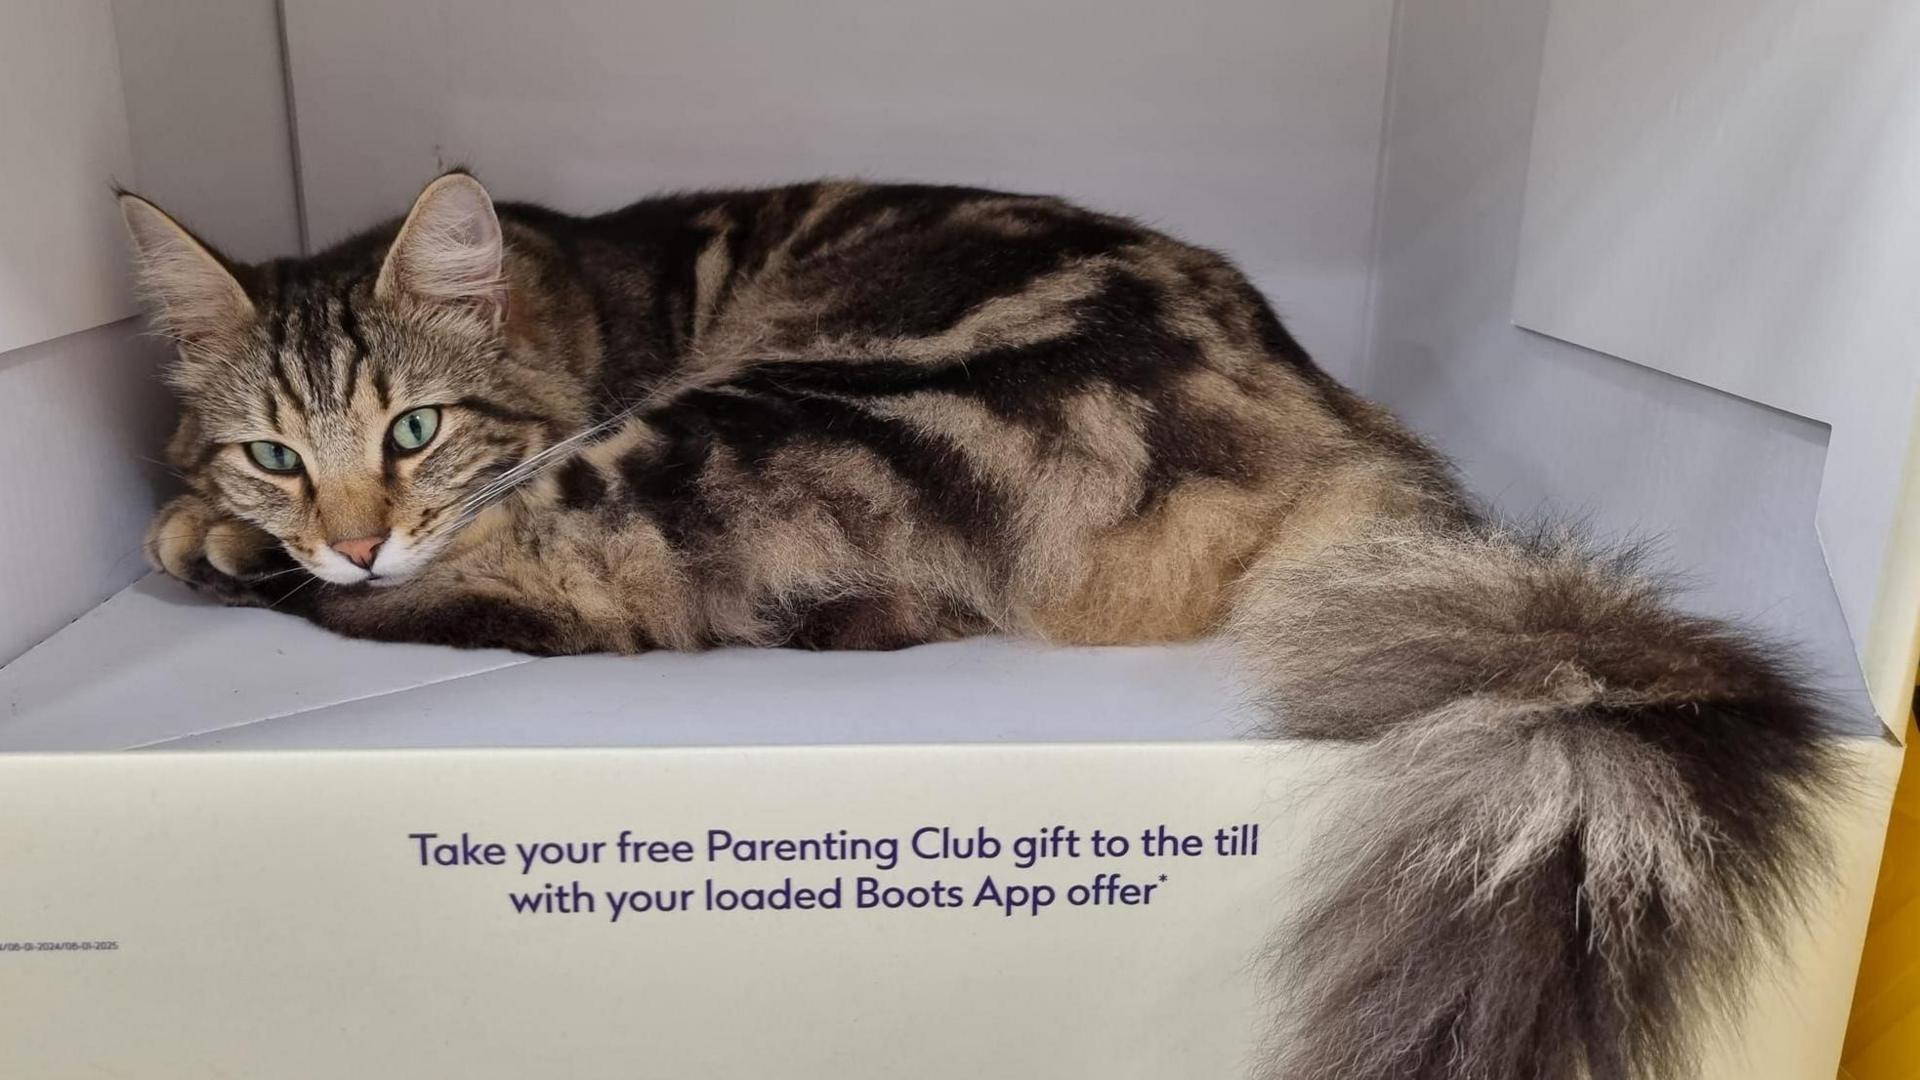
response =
{"points": [[848, 416]]}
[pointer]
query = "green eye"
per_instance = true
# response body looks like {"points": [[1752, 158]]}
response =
{"points": [[415, 430], [273, 457]]}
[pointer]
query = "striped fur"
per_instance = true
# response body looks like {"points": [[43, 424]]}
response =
{"points": [[1578, 815], [848, 416]]}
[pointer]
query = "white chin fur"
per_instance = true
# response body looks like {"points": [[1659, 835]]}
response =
{"points": [[335, 569], [398, 560]]}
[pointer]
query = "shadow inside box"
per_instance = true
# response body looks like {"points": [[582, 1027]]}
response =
{"points": [[981, 690], [159, 665], [156, 661]]}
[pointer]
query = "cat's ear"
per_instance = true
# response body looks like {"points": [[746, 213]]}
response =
{"points": [[194, 296], [449, 251]]}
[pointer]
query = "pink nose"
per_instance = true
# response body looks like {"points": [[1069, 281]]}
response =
{"points": [[360, 552]]}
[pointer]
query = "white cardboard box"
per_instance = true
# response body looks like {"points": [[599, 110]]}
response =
{"points": [[265, 912], [265, 915]]}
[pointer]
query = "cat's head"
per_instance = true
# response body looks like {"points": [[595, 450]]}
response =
{"points": [[359, 405]]}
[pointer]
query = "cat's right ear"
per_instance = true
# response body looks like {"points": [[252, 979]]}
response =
{"points": [[449, 254], [193, 294]]}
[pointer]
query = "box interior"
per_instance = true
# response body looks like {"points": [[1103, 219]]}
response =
{"points": [[158, 667], [1368, 163]]}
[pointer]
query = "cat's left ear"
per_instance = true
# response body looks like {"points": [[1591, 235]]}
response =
{"points": [[194, 295], [449, 252]]}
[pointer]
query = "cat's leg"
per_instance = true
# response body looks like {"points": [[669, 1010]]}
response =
{"points": [[550, 583], [219, 555], [460, 617], [236, 563]]}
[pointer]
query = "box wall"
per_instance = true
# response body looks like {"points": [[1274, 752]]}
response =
{"points": [[1248, 125], [1730, 488], [272, 918], [186, 103]]}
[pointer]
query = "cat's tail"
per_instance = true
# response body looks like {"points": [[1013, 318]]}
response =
{"points": [[1576, 813]]}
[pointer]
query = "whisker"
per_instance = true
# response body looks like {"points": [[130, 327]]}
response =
{"points": [[539, 464], [289, 594], [171, 471], [525, 471], [513, 475]]}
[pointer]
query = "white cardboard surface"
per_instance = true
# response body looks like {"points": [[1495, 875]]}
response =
{"points": [[961, 692], [269, 918], [63, 141], [158, 666], [80, 418], [1252, 126], [272, 919], [157, 662], [1723, 190]]}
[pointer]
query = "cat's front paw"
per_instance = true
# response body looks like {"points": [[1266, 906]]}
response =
{"points": [[217, 554]]}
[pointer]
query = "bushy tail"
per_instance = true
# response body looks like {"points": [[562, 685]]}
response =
{"points": [[1579, 816]]}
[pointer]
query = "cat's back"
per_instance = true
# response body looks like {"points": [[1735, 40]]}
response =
{"points": [[838, 269]]}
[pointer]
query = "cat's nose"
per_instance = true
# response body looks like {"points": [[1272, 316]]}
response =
{"points": [[360, 552]]}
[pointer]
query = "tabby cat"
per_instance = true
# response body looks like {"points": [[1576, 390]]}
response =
{"points": [[850, 416]]}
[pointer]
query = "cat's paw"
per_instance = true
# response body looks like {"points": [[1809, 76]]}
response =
{"points": [[224, 556]]}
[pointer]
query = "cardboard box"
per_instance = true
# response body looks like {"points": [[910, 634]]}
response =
{"points": [[355, 887], [172, 911]]}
